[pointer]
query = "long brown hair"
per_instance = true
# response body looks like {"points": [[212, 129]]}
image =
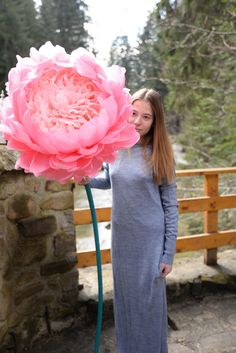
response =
{"points": [[162, 157]]}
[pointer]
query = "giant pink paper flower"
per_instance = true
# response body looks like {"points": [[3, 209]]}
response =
{"points": [[66, 114]]}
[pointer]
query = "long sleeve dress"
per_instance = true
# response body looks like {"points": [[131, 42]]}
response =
{"points": [[144, 230]]}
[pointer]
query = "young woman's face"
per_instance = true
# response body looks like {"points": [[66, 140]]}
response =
{"points": [[142, 116]]}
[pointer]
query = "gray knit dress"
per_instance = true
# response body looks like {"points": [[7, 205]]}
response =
{"points": [[144, 230]]}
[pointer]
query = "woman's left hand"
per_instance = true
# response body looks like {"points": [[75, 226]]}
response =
{"points": [[85, 180], [165, 269]]}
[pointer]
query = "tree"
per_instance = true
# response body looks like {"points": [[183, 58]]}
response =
{"points": [[64, 23], [121, 53], [22, 27], [149, 61], [18, 28], [196, 42], [48, 22]]}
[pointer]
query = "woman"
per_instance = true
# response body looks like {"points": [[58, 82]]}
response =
{"points": [[144, 229]]}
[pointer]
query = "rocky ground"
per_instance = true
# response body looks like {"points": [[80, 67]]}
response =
{"points": [[202, 310], [198, 326]]}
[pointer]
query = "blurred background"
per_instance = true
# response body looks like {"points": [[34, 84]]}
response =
{"points": [[185, 49]]}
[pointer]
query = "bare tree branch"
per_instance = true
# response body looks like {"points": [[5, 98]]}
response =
{"points": [[200, 152], [231, 13], [190, 46], [226, 44], [192, 84], [200, 29], [206, 30]]}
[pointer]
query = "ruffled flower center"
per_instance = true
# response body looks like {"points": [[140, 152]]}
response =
{"points": [[63, 99]]}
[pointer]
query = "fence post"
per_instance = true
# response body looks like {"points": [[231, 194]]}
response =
{"points": [[210, 217]]}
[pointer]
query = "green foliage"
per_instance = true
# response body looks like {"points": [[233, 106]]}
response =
{"points": [[18, 28], [149, 65], [63, 22], [187, 51], [122, 54], [22, 27], [48, 23], [198, 43], [141, 63]]}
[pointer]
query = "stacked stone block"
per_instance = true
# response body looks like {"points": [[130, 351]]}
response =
{"points": [[38, 273]]}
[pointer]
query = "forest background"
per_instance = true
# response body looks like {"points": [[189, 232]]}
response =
{"points": [[186, 50]]}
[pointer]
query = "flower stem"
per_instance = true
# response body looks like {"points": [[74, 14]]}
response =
{"points": [[99, 268]]}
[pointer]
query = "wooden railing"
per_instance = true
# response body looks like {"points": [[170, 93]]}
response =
{"points": [[210, 204]]}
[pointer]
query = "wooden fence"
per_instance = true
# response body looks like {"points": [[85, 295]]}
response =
{"points": [[210, 204]]}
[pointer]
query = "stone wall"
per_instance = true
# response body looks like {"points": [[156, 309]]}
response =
{"points": [[38, 274]]}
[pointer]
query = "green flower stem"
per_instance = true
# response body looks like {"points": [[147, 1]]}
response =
{"points": [[99, 269]]}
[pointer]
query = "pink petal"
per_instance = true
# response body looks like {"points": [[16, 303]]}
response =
{"points": [[66, 114]]}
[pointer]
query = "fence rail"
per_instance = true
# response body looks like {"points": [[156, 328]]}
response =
{"points": [[210, 204]]}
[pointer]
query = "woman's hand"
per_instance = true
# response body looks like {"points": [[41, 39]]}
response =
{"points": [[85, 180], [165, 269]]}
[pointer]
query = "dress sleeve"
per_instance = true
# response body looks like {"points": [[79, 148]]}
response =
{"points": [[170, 207], [102, 181]]}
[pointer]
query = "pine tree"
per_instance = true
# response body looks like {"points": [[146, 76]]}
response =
{"points": [[121, 53], [196, 41], [18, 28], [149, 65], [48, 22], [64, 23]]}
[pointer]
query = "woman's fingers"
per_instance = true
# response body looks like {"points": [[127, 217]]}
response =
{"points": [[85, 180], [165, 269]]}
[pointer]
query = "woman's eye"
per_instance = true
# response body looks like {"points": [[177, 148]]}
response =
{"points": [[133, 113]]}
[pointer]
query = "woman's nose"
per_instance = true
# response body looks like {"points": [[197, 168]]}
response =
{"points": [[137, 120]]}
